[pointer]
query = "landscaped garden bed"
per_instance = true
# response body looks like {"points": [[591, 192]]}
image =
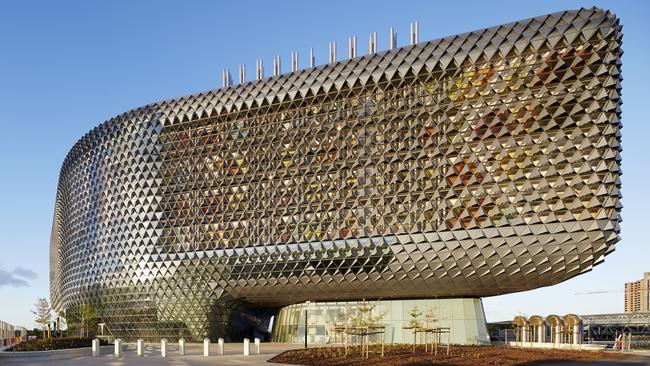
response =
{"points": [[458, 355], [54, 344]]}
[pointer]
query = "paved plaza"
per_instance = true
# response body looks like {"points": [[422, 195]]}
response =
{"points": [[233, 355]]}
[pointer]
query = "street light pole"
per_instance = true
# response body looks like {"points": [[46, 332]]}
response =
{"points": [[306, 306]]}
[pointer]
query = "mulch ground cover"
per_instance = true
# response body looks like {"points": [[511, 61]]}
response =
{"points": [[459, 355]]}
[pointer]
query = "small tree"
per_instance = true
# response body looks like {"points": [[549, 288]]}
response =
{"points": [[86, 316], [431, 316], [415, 315], [80, 319], [72, 321], [367, 315], [43, 313]]}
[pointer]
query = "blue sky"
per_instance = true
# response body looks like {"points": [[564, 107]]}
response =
{"points": [[65, 67]]}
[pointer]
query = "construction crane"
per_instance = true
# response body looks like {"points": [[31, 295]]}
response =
{"points": [[598, 292]]}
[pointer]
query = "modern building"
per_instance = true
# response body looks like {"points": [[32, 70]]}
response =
{"points": [[637, 295], [595, 327], [11, 334], [442, 171], [607, 327]]}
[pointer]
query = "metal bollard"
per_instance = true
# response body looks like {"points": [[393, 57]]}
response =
{"points": [[181, 347], [220, 341], [118, 348], [163, 347], [206, 347], [140, 346], [96, 347], [257, 345], [247, 346]]}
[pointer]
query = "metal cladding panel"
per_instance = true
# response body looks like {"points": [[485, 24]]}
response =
{"points": [[478, 164]]}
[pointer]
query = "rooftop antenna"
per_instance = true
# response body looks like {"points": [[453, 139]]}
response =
{"points": [[294, 61], [312, 60], [352, 47], [372, 43], [276, 66], [259, 69], [332, 53], [242, 73], [415, 31], [226, 80], [392, 41]]}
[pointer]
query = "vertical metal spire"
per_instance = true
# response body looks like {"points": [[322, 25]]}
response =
{"points": [[242, 73], [259, 69], [277, 69], [415, 33], [294, 61], [225, 78], [372, 43], [392, 40], [332, 52], [352, 47], [312, 60]]}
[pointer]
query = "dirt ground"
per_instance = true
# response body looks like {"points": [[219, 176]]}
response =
{"points": [[459, 355]]}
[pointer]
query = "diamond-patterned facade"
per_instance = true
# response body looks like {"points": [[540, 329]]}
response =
{"points": [[478, 164]]}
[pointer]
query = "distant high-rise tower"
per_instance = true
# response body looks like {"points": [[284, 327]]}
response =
{"points": [[637, 297]]}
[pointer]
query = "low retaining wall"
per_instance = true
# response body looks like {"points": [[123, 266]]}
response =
{"points": [[54, 354], [567, 346]]}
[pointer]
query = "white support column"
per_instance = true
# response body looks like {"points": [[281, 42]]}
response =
{"points": [[118, 348], [257, 345], [220, 342], [392, 40], [181, 347], [524, 334], [96, 348], [163, 347], [247, 346], [558, 334], [140, 347], [312, 59], [206, 347], [577, 339]]}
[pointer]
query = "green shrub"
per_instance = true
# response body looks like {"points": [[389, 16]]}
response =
{"points": [[54, 343]]}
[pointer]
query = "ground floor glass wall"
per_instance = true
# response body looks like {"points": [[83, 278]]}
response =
{"points": [[464, 317]]}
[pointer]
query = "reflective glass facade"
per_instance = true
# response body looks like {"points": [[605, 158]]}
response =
{"points": [[474, 165], [465, 317]]}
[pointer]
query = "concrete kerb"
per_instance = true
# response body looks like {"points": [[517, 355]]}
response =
{"points": [[193, 352], [58, 353]]}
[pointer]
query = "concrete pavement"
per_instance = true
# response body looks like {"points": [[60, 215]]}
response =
{"points": [[233, 355]]}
